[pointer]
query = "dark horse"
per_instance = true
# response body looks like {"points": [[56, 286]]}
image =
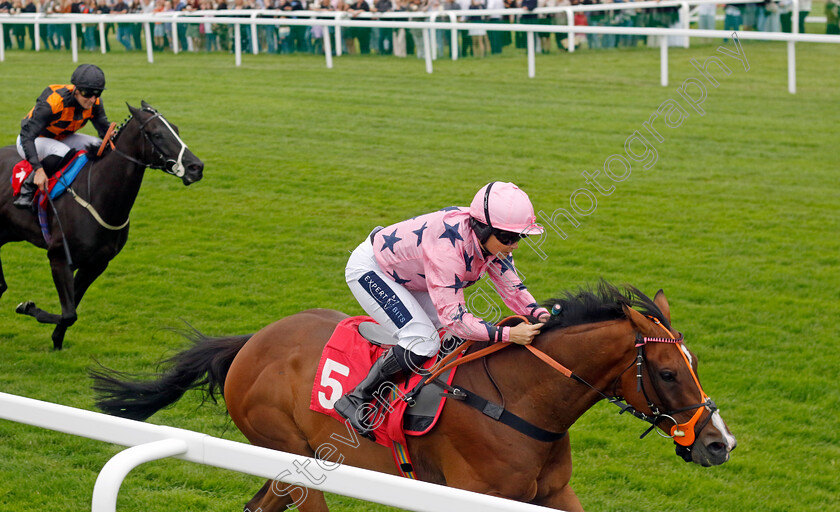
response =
{"points": [[110, 185], [613, 349]]}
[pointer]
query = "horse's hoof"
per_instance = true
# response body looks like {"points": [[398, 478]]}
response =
{"points": [[24, 307]]}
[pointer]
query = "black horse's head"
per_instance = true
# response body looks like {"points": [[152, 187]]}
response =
{"points": [[170, 153]]}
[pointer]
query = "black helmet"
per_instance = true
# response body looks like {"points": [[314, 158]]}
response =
{"points": [[88, 76]]}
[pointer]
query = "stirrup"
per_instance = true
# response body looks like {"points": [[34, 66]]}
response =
{"points": [[351, 418], [24, 201]]}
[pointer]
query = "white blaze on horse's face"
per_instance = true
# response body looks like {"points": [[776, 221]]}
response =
{"points": [[687, 355], [178, 168], [731, 443]]}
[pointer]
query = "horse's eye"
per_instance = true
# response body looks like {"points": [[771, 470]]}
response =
{"points": [[667, 376]]}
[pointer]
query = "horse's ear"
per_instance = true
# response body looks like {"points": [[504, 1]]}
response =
{"points": [[640, 322], [145, 105], [662, 303], [131, 109]]}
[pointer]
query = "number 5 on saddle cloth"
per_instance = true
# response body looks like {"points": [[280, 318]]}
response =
{"points": [[354, 346]]}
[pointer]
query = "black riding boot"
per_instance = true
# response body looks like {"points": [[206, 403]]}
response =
{"points": [[27, 192], [51, 164], [385, 369]]}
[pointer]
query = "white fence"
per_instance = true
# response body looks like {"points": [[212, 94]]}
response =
{"points": [[152, 442], [339, 20]]}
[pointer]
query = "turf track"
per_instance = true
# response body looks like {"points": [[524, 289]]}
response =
{"points": [[737, 220]]}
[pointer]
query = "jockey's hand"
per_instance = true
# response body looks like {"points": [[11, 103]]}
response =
{"points": [[41, 179], [523, 334], [544, 317]]}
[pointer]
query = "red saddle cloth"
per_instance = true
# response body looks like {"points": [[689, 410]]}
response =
{"points": [[345, 361], [23, 168], [19, 173]]}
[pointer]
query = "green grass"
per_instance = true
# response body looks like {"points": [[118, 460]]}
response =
{"points": [[737, 221]]}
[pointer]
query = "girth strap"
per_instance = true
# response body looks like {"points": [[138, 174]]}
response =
{"points": [[499, 413]]}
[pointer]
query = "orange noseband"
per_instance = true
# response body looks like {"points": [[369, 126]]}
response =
{"points": [[682, 433]]}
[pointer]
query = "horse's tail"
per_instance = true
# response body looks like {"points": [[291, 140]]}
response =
{"points": [[204, 365]]}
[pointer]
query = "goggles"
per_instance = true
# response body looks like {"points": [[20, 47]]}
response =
{"points": [[90, 93], [507, 237]]}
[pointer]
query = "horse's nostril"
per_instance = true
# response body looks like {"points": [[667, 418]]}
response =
{"points": [[716, 448]]}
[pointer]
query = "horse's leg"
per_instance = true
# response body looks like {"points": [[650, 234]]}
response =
{"points": [[29, 308], [85, 276], [64, 284], [564, 499], [63, 279], [3, 285], [554, 489], [276, 496]]}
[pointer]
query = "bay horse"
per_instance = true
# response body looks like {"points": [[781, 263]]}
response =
{"points": [[613, 350], [91, 236]]}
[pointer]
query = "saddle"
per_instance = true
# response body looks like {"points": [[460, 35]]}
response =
{"points": [[409, 408], [425, 403], [57, 184], [413, 407]]}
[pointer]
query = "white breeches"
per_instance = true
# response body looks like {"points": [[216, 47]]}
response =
{"points": [[46, 146], [409, 315]]}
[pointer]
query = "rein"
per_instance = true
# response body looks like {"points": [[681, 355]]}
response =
{"points": [[683, 434], [488, 408], [106, 141]]}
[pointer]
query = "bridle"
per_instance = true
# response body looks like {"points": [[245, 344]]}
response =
{"points": [[170, 165], [683, 434]]}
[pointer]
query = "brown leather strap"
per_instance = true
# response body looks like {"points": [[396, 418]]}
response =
{"points": [[440, 367], [447, 362], [444, 365], [549, 361], [107, 139]]}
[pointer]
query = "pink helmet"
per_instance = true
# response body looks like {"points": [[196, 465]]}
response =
{"points": [[506, 207]]}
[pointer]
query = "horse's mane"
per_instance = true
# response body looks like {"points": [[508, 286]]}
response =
{"points": [[601, 304], [91, 152]]}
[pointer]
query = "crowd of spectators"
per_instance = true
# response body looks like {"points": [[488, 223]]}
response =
{"points": [[770, 16], [773, 16]]}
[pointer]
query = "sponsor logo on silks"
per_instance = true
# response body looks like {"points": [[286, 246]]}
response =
{"points": [[386, 298]]}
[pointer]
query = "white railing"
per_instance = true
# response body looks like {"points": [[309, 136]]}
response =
{"points": [[339, 20], [152, 442]]}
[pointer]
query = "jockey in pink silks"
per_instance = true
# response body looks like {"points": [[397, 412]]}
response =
{"points": [[410, 277]]}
